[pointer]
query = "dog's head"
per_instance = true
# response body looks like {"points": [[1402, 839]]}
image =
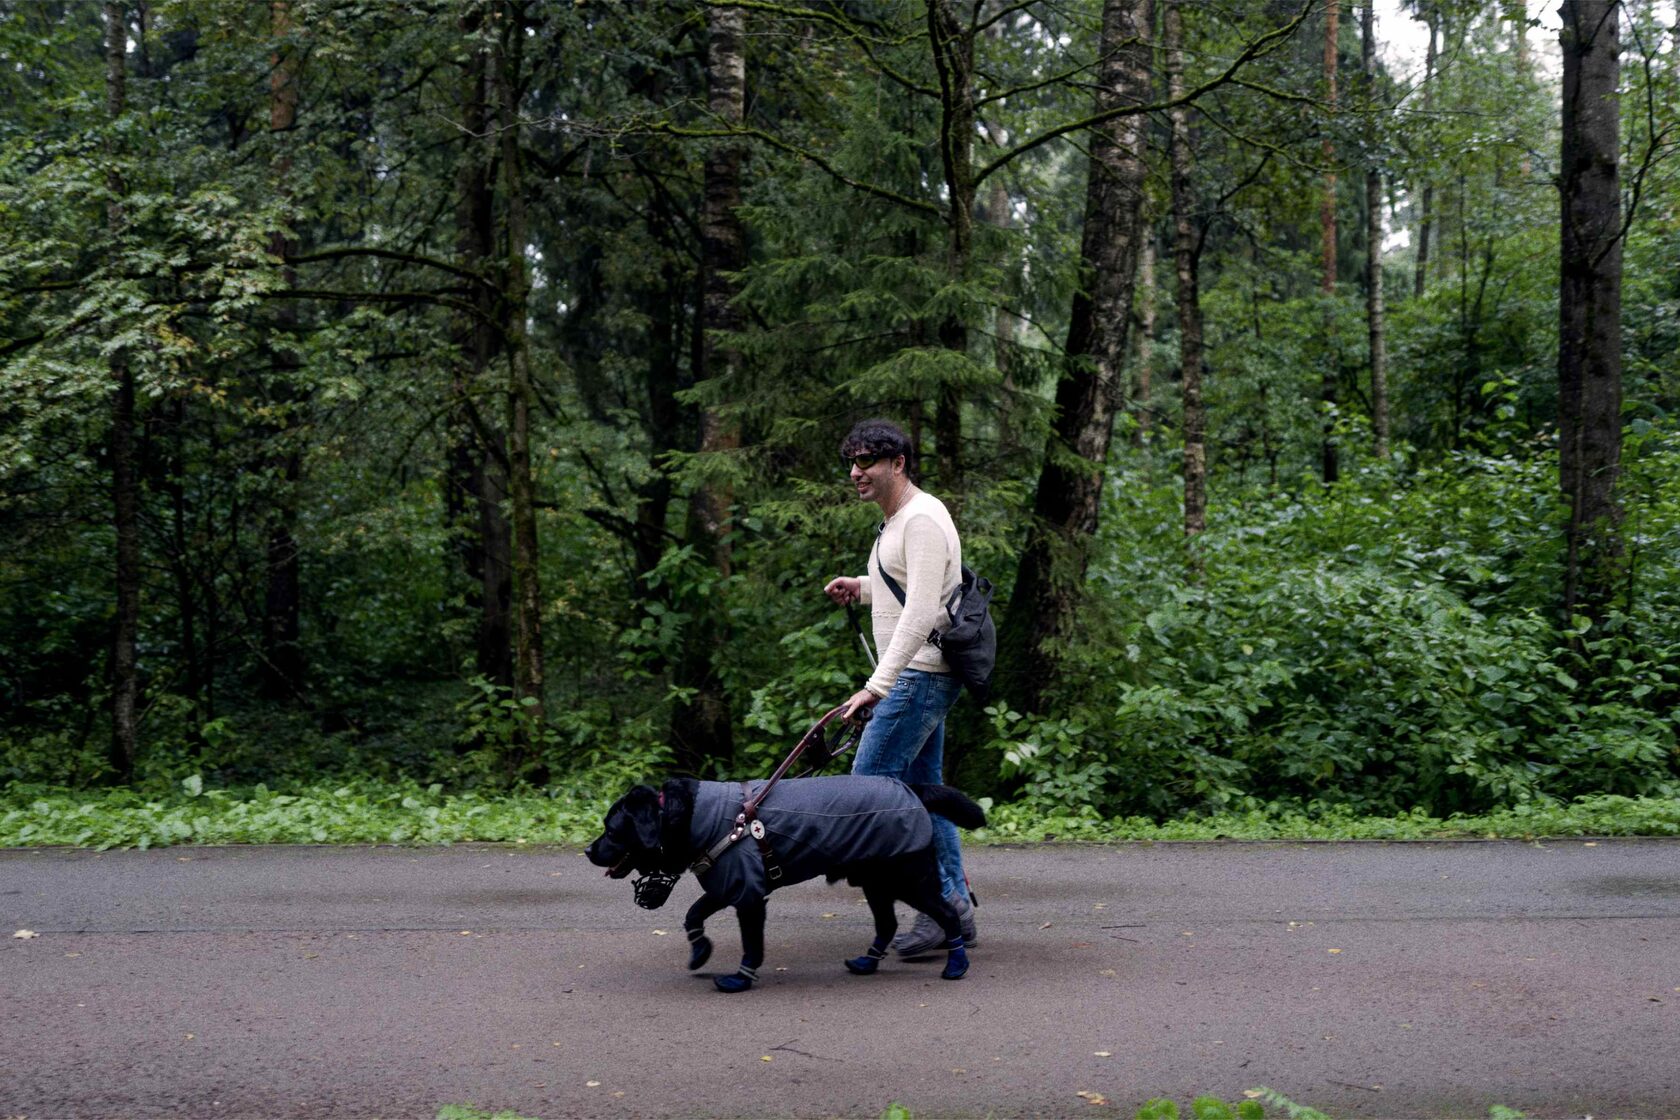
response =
{"points": [[629, 839]]}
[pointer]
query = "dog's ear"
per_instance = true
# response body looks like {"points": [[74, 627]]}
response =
{"points": [[641, 805]]}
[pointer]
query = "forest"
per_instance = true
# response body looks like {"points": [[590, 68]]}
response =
{"points": [[449, 391]]}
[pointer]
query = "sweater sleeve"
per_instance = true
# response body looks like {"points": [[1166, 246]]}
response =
{"points": [[926, 556]]}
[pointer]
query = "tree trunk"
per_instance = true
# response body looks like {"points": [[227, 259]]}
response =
{"points": [[1589, 306], [1374, 241], [1142, 379], [1042, 609], [701, 728], [516, 295], [1426, 204], [282, 657], [723, 251], [1187, 266], [477, 479], [952, 41], [1331, 464], [125, 475]]}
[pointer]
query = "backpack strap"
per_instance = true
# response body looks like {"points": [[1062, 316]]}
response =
{"points": [[898, 592]]}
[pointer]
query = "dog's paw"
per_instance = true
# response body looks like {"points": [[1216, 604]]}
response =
{"points": [[731, 984], [699, 952]]}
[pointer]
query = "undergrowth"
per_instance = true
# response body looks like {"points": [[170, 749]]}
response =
{"points": [[368, 812]]}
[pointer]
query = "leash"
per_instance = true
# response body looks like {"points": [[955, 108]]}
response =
{"points": [[747, 822]]}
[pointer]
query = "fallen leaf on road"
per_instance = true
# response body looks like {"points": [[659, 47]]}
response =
{"points": [[660, 933], [1101, 1054], [466, 933], [25, 935], [1046, 925], [190, 1037], [1092, 1098], [1253, 1094], [1335, 950], [766, 1058], [592, 1084], [1108, 972]]}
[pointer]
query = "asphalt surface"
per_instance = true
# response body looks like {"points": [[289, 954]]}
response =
{"points": [[1366, 980]]}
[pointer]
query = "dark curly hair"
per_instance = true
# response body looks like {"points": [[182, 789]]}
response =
{"points": [[879, 437]]}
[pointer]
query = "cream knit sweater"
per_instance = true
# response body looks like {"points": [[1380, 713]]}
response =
{"points": [[918, 547]]}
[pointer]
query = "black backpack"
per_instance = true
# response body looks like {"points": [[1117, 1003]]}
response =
{"points": [[970, 642]]}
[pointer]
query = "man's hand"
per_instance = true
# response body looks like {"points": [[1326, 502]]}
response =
{"points": [[861, 700], [843, 590]]}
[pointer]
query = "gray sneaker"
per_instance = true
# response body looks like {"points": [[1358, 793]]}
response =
{"points": [[925, 936], [920, 939], [965, 915]]}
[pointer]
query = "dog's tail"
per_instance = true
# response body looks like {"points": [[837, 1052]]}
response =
{"points": [[954, 805]]}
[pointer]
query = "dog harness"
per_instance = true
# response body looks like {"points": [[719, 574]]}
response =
{"points": [[810, 826]]}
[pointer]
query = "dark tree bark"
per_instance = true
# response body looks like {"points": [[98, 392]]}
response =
{"points": [[281, 675], [477, 485], [529, 678], [701, 727], [1043, 606], [1426, 200], [1374, 315], [723, 251], [1589, 307], [1187, 266], [125, 475], [1331, 457], [952, 41]]}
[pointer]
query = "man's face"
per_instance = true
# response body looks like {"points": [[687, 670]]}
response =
{"points": [[873, 475]]}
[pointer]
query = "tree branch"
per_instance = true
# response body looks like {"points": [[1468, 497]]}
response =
{"points": [[1263, 45]]}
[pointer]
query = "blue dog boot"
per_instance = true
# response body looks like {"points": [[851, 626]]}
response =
{"points": [[740, 982], [956, 962], [699, 949], [870, 961]]}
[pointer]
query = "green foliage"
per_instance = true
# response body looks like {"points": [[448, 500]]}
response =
{"points": [[1387, 647], [1390, 645], [1202, 1108], [472, 1112], [403, 812]]}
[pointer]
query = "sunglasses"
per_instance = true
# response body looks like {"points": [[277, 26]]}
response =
{"points": [[861, 462]]}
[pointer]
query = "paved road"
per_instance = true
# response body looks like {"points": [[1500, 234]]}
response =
{"points": [[1367, 980]]}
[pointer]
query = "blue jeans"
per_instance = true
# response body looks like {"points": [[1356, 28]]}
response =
{"points": [[905, 739]]}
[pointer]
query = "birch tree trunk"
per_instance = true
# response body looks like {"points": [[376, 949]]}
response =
{"points": [[1187, 266], [1374, 315], [125, 476], [1043, 607], [1142, 379], [1589, 307]]}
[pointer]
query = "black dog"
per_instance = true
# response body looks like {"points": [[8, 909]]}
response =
{"points": [[872, 832]]}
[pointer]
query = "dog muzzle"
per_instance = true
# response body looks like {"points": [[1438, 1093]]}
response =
{"points": [[652, 889]]}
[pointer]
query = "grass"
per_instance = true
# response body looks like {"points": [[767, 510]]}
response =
{"points": [[366, 812]]}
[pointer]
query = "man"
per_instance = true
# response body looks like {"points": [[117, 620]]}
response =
{"points": [[914, 567]]}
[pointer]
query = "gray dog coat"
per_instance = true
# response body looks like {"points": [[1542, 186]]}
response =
{"points": [[814, 826]]}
